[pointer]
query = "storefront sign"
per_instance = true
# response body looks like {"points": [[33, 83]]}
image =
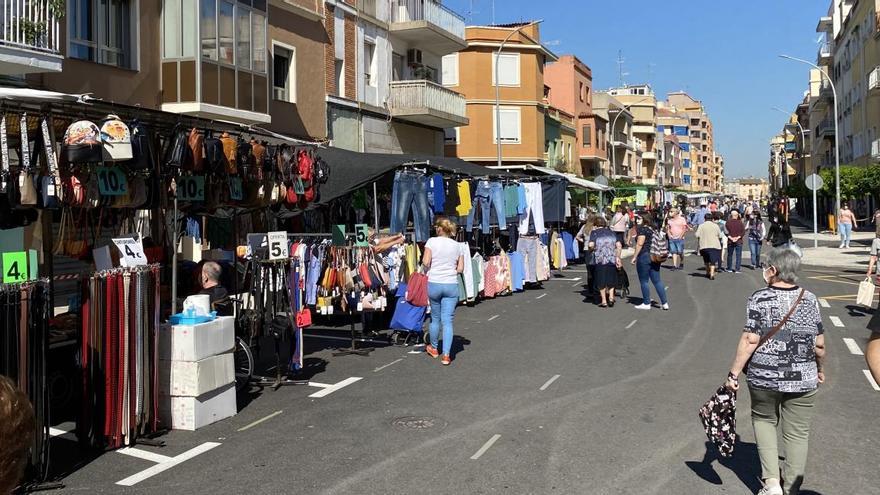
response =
{"points": [[338, 232], [235, 188], [15, 267], [112, 181], [361, 235], [191, 188], [278, 247], [131, 251]]}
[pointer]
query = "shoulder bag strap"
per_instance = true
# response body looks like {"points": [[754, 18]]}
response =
{"points": [[781, 323], [4, 154], [25, 143]]}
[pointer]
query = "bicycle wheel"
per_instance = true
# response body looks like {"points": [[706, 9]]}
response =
{"points": [[244, 364]]}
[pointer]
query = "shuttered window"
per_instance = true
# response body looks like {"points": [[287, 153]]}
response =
{"points": [[508, 68], [510, 125], [449, 66]]}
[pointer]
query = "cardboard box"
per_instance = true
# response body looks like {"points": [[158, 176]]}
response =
{"points": [[196, 342], [192, 413], [194, 378]]}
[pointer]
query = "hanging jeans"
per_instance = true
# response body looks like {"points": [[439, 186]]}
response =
{"points": [[443, 298], [534, 209], [845, 233], [528, 249], [488, 195], [410, 193], [649, 273], [734, 250], [313, 273], [755, 251]]}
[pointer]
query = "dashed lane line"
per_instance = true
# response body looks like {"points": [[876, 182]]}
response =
{"points": [[871, 380], [824, 302], [542, 295], [486, 446], [549, 382], [836, 321], [261, 420], [145, 455], [853, 347], [380, 368], [492, 318], [631, 324]]}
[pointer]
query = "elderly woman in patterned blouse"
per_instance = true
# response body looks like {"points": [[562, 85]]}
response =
{"points": [[784, 372]]}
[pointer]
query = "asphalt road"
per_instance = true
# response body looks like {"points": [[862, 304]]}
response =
{"points": [[547, 394]]}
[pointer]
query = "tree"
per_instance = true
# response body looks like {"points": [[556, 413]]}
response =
{"points": [[855, 181]]}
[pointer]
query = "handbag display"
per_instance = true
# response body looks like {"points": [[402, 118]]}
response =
{"points": [[867, 289], [179, 154], [141, 147], [82, 143], [196, 141]]}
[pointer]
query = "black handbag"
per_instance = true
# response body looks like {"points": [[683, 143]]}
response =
{"points": [[141, 147], [179, 154], [214, 156]]}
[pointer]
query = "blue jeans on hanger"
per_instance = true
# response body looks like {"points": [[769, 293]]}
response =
{"points": [[443, 298], [488, 195], [410, 193]]}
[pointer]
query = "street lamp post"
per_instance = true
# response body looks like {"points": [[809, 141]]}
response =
{"points": [[836, 132], [613, 125], [498, 86]]}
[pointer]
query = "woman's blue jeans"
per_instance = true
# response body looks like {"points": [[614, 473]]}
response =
{"points": [[443, 298], [755, 251], [649, 273], [845, 233]]}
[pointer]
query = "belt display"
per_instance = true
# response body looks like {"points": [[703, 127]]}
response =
{"points": [[118, 339], [24, 345]]}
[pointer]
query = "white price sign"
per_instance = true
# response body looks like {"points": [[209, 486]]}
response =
{"points": [[278, 248], [131, 251]]}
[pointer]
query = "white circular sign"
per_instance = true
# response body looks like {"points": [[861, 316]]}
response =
{"points": [[814, 182], [601, 180]]}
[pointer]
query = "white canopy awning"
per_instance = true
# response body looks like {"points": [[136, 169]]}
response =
{"points": [[36, 95], [572, 179]]}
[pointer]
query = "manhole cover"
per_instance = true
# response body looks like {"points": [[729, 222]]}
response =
{"points": [[418, 423]]}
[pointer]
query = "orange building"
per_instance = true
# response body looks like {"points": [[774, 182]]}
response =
{"points": [[571, 90], [521, 84]]}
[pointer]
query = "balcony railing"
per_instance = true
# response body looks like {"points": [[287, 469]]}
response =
{"points": [[430, 11], [875, 149], [30, 24], [427, 99], [825, 50], [874, 79], [826, 127]]}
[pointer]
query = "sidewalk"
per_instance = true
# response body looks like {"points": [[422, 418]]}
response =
{"points": [[828, 255]]}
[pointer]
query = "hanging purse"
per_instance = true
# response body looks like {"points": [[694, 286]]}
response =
{"points": [[4, 157], [51, 191], [141, 147], [179, 154]]}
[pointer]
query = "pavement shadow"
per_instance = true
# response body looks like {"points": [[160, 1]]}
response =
{"points": [[458, 344], [745, 464], [859, 311]]}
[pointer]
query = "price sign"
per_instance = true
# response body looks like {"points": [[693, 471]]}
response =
{"points": [[278, 248], [15, 267], [191, 188], [235, 187], [111, 181], [338, 233], [361, 235], [131, 251]]}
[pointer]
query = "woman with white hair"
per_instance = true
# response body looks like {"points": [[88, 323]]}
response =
{"points": [[782, 350]]}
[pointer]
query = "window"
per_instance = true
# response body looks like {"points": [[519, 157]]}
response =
{"points": [[179, 29], [587, 136], [243, 37], [510, 125], [339, 73], [226, 32], [231, 33], [581, 91], [209, 29], [101, 31], [284, 73], [686, 163], [687, 179], [369, 58], [450, 136], [508, 69], [449, 66]]}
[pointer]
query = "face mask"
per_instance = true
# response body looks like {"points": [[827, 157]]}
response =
{"points": [[764, 275]]}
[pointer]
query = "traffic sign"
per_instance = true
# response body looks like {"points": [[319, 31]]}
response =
{"points": [[814, 182]]}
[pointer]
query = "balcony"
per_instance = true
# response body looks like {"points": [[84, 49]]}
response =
{"points": [[649, 155], [875, 149], [874, 80], [824, 54], [29, 39], [427, 103], [825, 129], [428, 25]]}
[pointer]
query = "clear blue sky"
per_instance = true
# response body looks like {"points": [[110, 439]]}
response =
{"points": [[724, 53]]}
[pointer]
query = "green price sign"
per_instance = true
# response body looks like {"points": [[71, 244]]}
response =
{"points": [[361, 235], [235, 187], [338, 232], [112, 181], [191, 188], [15, 267]]}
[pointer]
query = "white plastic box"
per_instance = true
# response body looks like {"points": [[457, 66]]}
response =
{"points": [[196, 342], [194, 378], [192, 413]]}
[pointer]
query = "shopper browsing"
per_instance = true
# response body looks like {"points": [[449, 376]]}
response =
{"points": [[443, 262], [605, 247], [756, 233], [709, 236], [676, 228], [648, 269]]}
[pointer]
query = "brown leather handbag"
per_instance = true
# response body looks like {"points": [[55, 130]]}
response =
{"points": [[196, 141]]}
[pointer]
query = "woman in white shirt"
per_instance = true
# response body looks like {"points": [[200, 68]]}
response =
{"points": [[443, 262]]}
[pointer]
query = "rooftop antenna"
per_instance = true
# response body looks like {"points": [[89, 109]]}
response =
{"points": [[493, 12], [620, 73]]}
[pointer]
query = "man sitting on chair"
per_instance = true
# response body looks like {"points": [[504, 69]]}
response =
{"points": [[210, 280]]}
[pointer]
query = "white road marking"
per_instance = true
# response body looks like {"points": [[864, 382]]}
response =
{"points": [[824, 302], [492, 318], [542, 295], [380, 368], [255, 423], [836, 321], [574, 279], [631, 324], [486, 446], [853, 347], [549, 382], [145, 455], [164, 466], [871, 380], [333, 388], [321, 385]]}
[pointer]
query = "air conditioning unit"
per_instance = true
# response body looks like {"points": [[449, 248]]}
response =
{"points": [[414, 56]]}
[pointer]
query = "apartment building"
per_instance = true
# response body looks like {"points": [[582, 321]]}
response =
{"points": [[520, 69], [748, 188], [703, 176], [642, 104], [570, 83], [386, 64], [560, 138], [673, 125], [621, 146], [242, 61]]}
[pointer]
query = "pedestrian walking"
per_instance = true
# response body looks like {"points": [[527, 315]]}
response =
{"points": [[589, 259], [606, 258], [779, 233], [846, 221], [676, 228], [756, 233], [619, 224], [736, 230], [699, 216], [719, 219], [647, 269], [443, 261], [782, 349], [709, 236]]}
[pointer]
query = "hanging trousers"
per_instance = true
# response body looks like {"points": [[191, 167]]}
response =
{"points": [[534, 209], [410, 194]]}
